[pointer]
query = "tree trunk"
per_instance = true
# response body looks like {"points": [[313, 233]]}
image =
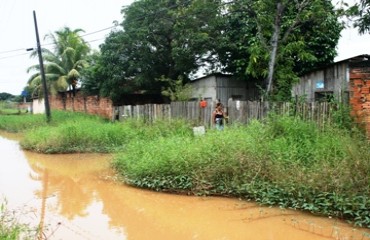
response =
{"points": [[274, 47]]}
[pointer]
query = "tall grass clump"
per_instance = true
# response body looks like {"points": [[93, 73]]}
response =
{"points": [[83, 136], [174, 163], [21, 123], [281, 161], [93, 135]]}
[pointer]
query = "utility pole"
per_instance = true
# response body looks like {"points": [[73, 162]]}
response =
{"points": [[42, 72]]}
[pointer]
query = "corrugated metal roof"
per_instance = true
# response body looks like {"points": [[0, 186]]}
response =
{"points": [[362, 57], [212, 74]]}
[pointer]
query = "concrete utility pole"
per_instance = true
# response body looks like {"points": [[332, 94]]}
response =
{"points": [[42, 72]]}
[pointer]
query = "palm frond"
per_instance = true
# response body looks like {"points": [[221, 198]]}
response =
{"points": [[32, 68], [62, 83], [81, 64], [50, 77], [63, 63], [35, 80], [54, 68], [73, 74]]}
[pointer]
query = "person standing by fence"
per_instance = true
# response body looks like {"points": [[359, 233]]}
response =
{"points": [[218, 117]]}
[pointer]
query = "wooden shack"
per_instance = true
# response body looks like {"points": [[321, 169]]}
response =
{"points": [[332, 81], [347, 81], [222, 87]]}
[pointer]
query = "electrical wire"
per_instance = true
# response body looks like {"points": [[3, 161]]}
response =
{"points": [[49, 44], [105, 29], [111, 27], [12, 56]]}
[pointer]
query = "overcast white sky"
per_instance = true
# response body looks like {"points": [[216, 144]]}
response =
{"points": [[17, 32]]}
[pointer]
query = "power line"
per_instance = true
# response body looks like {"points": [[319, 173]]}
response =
{"points": [[12, 56], [111, 27], [104, 29], [47, 44], [107, 28], [95, 40], [23, 49], [15, 50]]}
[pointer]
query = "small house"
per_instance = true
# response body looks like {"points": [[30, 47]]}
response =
{"points": [[347, 81], [222, 87], [331, 81]]}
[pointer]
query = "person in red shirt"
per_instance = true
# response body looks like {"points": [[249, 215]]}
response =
{"points": [[218, 117]]}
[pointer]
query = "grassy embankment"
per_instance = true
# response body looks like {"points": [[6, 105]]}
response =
{"points": [[282, 161]]}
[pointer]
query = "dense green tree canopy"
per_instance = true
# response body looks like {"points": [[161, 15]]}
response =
{"points": [[279, 40], [275, 41], [163, 38], [6, 96]]}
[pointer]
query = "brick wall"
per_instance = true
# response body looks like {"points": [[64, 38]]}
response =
{"points": [[89, 104], [360, 97]]}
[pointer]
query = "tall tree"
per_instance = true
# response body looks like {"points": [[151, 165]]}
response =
{"points": [[170, 37], [283, 38], [288, 28], [62, 64], [160, 38]]}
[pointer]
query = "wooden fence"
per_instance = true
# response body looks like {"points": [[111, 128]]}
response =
{"points": [[238, 111]]}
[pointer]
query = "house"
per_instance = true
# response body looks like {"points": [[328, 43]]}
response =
{"points": [[222, 87], [331, 81], [347, 81]]}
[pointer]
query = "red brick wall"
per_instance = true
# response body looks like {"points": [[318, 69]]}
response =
{"points": [[360, 97], [88, 104]]}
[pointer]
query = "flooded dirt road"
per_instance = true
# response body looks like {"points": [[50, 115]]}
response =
{"points": [[73, 197]]}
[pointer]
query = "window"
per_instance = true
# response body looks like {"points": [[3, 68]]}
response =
{"points": [[320, 84], [324, 96]]}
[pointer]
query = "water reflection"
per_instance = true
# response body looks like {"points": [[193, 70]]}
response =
{"points": [[71, 179], [74, 198]]}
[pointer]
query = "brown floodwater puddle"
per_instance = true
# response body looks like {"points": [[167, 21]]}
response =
{"points": [[74, 196]]}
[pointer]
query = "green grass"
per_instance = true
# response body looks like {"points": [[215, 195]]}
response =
{"points": [[22, 123], [87, 134], [283, 161], [19, 123], [9, 111]]}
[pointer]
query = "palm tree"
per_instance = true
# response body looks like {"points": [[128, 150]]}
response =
{"points": [[63, 64]]}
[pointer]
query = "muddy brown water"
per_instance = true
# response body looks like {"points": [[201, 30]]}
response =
{"points": [[73, 196]]}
